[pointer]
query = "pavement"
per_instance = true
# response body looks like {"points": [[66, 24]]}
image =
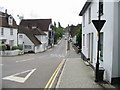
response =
{"points": [[76, 74]]}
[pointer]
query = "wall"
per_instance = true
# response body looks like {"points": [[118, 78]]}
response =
{"points": [[89, 28], [119, 41], [47, 37], [43, 40], [74, 39], [116, 49], [8, 36], [108, 37], [26, 41]]}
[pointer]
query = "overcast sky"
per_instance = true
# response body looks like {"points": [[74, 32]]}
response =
{"points": [[64, 11]]}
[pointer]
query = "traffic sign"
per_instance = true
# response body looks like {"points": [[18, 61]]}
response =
{"points": [[98, 24]]}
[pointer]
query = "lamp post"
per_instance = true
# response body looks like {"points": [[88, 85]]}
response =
{"points": [[98, 25]]}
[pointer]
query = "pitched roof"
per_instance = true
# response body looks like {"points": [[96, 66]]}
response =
{"points": [[42, 24], [30, 33], [85, 7], [4, 21]]}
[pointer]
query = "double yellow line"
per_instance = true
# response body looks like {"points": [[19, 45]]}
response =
{"points": [[53, 77]]}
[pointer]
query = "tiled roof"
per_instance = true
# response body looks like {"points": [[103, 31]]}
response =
{"points": [[30, 33], [42, 24], [4, 21]]}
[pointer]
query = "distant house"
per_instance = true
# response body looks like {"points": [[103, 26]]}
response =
{"points": [[34, 34], [8, 29], [109, 44], [73, 32]]}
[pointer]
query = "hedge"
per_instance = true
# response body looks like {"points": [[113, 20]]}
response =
{"points": [[3, 47], [17, 47]]}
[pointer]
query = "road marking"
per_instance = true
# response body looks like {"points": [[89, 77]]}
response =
{"points": [[53, 77], [19, 79], [25, 60], [56, 55]]}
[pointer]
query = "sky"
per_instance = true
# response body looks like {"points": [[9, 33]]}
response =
{"points": [[63, 11]]}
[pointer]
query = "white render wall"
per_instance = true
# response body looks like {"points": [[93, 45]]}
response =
{"points": [[25, 41], [8, 36], [47, 36], [89, 28], [44, 42], [74, 39], [116, 43], [108, 30], [119, 41]]}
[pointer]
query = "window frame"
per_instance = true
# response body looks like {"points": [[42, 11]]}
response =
{"points": [[84, 20], [2, 31], [89, 15], [83, 40], [11, 31], [101, 7], [101, 51]]}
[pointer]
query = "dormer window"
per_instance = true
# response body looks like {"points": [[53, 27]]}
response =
{"points": [[10, 20], [33, 27]]}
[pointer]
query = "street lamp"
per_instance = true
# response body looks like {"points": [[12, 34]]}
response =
{"points": [[98, 25]]}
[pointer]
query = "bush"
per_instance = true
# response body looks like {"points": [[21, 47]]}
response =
{"points": [[17, 47], [3, 47]]}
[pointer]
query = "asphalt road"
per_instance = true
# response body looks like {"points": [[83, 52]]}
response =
{"points": [[32, 70]]}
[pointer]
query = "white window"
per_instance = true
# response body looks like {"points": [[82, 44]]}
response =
{"points": [[11, 31], [20, 36], [2, 31], [101, 7], [10, 20], [11, 42], [33, 27], [89, 16], [83, 39], [83, 20], [28, 47], [101, 46]]}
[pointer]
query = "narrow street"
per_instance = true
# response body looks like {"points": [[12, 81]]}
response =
{"points": [[32, 70]]}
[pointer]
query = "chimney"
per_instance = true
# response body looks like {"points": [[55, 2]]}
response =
{"points": [[6, 11]]}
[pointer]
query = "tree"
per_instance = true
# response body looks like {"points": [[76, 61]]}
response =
{"points": [[58, 32], [54, 24], [79, 37], [59, 25]]}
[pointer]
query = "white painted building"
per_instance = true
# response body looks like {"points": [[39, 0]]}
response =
{"points": [[8, 29], [34, 34], [109, 51]]}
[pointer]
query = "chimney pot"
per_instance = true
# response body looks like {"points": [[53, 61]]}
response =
{"points": [[6, 11]]}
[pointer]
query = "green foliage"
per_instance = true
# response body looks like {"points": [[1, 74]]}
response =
{"points": [[59, 25], [17, 47], [79, 37], [3, 47], [58, 32]]}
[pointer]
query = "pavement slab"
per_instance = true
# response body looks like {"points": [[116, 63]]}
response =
{"points": [[76, 74]]}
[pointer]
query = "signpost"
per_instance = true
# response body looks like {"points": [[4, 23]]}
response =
{"points": [[98, 25]]}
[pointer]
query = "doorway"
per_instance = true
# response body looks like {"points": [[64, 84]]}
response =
{"points": [[90, 47]]}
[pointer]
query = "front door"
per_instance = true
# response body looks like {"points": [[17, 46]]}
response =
{"points": [[91, 47]]}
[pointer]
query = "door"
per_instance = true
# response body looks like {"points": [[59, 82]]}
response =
{"points": [[91, 47]]}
